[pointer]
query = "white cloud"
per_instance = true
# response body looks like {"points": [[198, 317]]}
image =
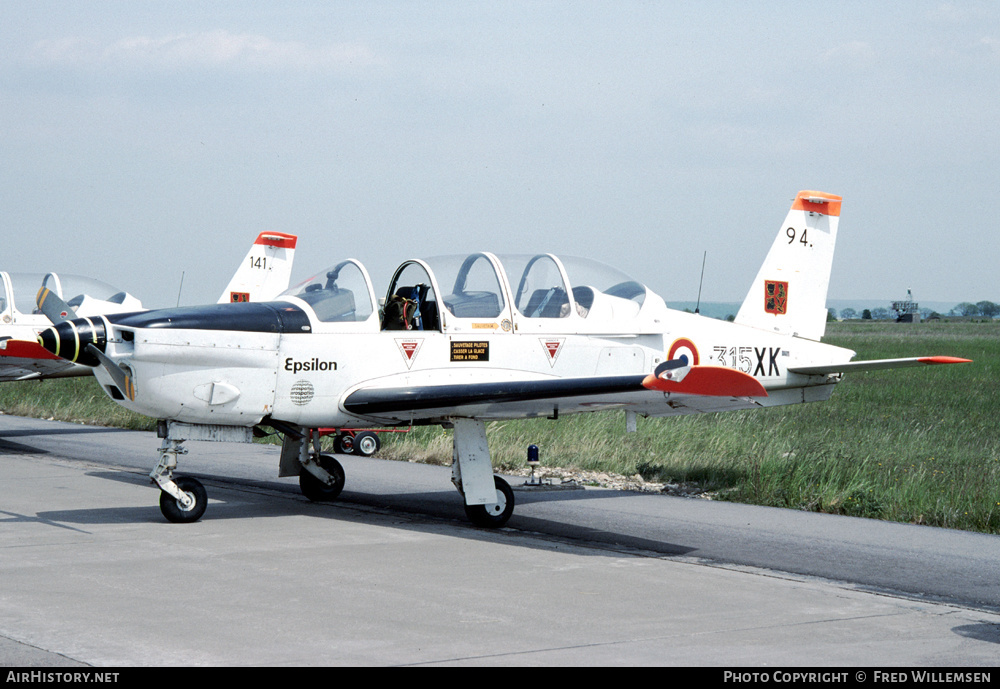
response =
{"points": [[851, 53], [219, 48]]}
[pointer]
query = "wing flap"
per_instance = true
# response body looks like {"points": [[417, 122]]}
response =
{"points": [[877, 365]]}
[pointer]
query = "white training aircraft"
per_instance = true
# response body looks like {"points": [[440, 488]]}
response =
{"points": [[261, 276], [462, 340]]}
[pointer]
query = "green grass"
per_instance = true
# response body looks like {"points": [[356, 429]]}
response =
{"points": [[916, 445], [78, 400]]}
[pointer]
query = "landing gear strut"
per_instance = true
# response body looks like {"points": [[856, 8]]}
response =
{"points": [[489, 500], [182, 500], [321, 477]]}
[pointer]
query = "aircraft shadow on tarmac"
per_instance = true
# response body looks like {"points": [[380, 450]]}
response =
{"points": [[249, 498], [76, 430], [985, 631], [11, 447]]}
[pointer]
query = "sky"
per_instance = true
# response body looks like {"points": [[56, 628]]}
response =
{"points": [[145, 141]]}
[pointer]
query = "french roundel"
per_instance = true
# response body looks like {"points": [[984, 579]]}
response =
{"points": [[684, 347]]}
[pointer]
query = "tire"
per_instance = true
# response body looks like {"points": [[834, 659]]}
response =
{"points": [[366, 444], [496, 515], [344, 444], [316, 490], [172, 509]]}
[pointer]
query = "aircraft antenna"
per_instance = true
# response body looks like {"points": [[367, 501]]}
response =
{"points": [[180, 288], [700, 281]]}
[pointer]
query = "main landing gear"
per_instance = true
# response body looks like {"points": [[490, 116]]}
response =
{"points": [[489, 500], [321, 477]]}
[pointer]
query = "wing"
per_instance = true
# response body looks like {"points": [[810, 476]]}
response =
{"points": [[23, 360], [877, 365], [548, 396]]}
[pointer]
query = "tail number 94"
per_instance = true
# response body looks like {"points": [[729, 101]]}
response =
{"points": [[792, 233]]}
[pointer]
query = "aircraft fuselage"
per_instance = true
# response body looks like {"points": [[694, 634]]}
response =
{"points": [[293, 372]]}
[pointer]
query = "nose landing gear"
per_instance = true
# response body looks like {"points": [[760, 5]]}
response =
{"points": [[184, 499]]}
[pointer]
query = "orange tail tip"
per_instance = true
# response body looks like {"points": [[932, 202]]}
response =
{"points": [[714, 381], [818, 202], [281, 240], [944, 360]]}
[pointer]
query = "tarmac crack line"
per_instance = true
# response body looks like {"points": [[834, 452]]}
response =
{"points": [[663, 637]]}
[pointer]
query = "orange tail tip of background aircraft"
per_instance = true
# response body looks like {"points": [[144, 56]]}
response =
{"points": [[462, 340]]}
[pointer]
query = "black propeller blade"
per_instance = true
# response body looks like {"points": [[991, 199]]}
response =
{"points": [[122, 378]]}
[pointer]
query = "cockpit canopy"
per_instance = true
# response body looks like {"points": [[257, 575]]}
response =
{"points": [[86, 295], [546, 285], [341, 294], [482, 291]]}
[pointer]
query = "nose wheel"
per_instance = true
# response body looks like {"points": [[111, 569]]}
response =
{"points": [[189, 506]]}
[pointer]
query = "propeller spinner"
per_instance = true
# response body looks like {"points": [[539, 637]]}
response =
{"points": [[83, 341], [70, 339]]}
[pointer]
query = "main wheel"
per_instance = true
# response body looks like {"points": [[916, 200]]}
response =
{"points": [[316, 490], [495, 515], [367, 443], [177, 513]]}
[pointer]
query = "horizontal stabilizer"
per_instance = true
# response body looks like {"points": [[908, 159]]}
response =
{"points": [[712, 381], [877, 365]]}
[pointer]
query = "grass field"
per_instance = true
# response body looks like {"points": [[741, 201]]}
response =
{"points": [[914, 445]]}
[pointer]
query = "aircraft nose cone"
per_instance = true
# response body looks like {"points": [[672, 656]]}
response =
{"points": [[69, 340]]}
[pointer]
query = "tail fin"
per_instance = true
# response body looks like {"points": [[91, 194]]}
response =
{"points": [[789, 294], [265, 271]]}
